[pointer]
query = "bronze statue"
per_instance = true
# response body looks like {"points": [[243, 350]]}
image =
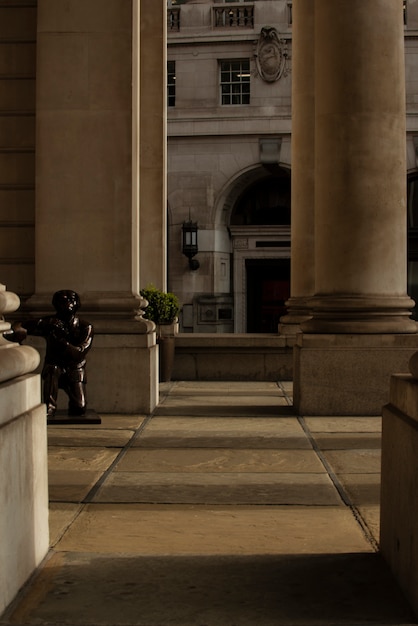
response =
{"points": [[68, 339]]}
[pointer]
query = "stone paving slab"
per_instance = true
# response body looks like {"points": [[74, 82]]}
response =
{"points": [[61, 516], [235, 388], [213, 406], [79, 589], [73, 471], [71, 485], [80, 458], [223, 432], [218, 460], [219, 488], [205, 530], [362, 488], [354, 461], [64, 436], [370, 515], [344, 424], [348, 441]]}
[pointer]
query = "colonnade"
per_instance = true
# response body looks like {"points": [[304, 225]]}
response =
{"points": [[101, 86]]}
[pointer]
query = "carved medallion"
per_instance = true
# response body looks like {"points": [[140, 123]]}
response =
{"points": [[270, 55]]}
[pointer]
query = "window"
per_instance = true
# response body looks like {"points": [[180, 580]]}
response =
{"points": [[289, 13], [171, 83], [235, 81]]}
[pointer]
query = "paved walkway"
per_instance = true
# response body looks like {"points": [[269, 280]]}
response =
{"points": [[221, 509]]}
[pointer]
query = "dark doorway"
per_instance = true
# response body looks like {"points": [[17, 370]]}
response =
{"points": [[268, 288]]}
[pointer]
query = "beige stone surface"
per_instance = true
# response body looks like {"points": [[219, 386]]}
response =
{"points": [[62, 436], [71, 485], [76, 589], [354, 461], [81, 458], [207, 404], [223, 432], [186, 530], [234, 388], [309, 561], [343, 441], [219, 460], [363, 489], [219, 488], [61, 516], [347, 425]]}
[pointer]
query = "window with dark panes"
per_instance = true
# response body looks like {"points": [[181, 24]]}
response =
{"points": [[171, 83], [235, 82]]}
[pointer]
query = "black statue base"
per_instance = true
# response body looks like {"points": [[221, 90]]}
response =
{"points": [[62, 417]]}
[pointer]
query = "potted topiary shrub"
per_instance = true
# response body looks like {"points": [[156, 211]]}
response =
{"points": [[163, 308]]}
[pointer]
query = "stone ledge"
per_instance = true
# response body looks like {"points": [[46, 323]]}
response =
{"points": [[234, 340], [228, 356]]}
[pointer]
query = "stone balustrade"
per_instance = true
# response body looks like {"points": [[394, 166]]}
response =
{"points": [[234, 16]]}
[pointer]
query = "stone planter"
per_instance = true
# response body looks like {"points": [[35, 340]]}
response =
{"points": [[166, 339]]}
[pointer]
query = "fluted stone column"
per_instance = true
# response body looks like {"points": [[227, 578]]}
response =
{"points": [[153, 152], [302, 284], [360, 169], [360, 330], [88, 209]]}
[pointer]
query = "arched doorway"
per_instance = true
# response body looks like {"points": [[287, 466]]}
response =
{"points": [[260, 231]]}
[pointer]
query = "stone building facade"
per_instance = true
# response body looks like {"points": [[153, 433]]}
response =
{"points": [[229, 159]]}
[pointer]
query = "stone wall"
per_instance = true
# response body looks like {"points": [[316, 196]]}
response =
{"points": [[23, 462]]}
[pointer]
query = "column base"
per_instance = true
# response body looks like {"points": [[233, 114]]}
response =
{"points": [[347, 374], [298, 312], [360, 315]]}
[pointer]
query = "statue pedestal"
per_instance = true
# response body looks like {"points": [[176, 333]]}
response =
{"points": [[62, 418]]}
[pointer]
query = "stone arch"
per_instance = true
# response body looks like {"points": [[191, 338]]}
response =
{"points": [[260, 246]]}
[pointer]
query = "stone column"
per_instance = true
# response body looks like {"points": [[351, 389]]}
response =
{"points": [[87, 213], [360, 169], [153, 154], [360, 331], [302, 284]]}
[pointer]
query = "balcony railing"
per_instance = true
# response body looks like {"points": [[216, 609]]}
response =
{"points": [[173, 18], [233, 16]]}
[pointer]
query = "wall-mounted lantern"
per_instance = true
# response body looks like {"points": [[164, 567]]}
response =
{"points": [[189, 247]]}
